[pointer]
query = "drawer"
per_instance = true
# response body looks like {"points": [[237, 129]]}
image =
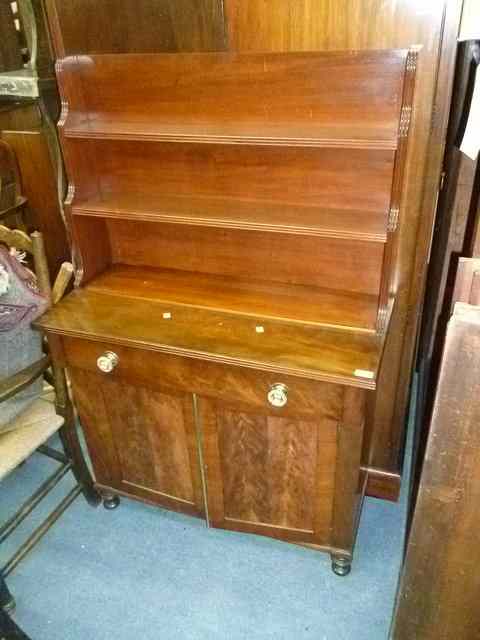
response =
{"points": [[232, 385]]}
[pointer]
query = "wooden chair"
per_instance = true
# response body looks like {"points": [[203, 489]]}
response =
{"points": [[44, 417]]}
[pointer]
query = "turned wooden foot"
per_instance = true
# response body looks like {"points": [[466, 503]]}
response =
{"points": [[110, 501], [341, 565]]}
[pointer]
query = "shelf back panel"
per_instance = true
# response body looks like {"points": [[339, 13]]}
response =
{"points": [[332, 264]]}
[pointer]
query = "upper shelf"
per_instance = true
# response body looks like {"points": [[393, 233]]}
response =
{"points": [[349, 99]]}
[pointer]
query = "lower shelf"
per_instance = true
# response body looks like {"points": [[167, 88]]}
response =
{"points": [[296, 303], [275, 345]]}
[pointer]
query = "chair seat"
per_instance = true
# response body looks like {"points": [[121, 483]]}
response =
{"points": [[32, 427]]}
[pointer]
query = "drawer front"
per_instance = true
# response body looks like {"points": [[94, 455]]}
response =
{"points": [[251, 389]]}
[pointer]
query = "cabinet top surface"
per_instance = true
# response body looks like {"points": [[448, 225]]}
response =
{"points": [[320, 353]]}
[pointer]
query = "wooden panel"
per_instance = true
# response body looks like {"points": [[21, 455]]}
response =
{"points": [[268, 468], [350, 482], [150, 431], [288, 348], [348, 98], [39, 185], [343, 265], [123, 26], [93, 411], [269, 475], [358, 179], [92, 253], [144, 443], [438, 597], [309, 25], [19, 116], [307, 399], [247, 297]]}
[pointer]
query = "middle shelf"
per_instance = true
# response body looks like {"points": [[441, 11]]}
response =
{"points": [[236, 213]]}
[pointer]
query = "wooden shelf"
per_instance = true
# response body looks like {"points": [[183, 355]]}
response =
{"points": [[235, 213], [246, 297], [247, 98], [320, 353], [333, 136]]}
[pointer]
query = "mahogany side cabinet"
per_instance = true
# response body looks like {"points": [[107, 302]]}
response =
{"points": [[234, 224]]}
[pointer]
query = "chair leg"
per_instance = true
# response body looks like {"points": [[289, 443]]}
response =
{"points": [[9, 630], [7, 601], [70, 440]]}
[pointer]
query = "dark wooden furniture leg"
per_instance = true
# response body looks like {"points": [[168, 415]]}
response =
{"points": [[7, 601], [9, 630], [69, 437]]}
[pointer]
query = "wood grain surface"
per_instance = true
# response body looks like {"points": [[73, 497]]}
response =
{"points": [[150, 452], [315, 352], [268, 475], [123, 26], [248, 297], [438, 595], [312, 25], [346, 98]]}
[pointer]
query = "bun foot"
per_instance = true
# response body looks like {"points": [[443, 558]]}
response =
{"points": [[110, 501], [341, 566]]}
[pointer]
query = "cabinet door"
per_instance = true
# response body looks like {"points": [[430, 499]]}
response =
{"points": [[269, 473], [142, 440]]}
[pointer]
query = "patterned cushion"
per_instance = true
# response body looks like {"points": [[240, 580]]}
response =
{"points": [[20, 345]]}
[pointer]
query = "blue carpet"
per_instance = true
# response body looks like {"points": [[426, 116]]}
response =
{"points": [[141, 573]]}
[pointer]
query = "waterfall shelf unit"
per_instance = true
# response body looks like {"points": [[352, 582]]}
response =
{"points": [[234, 223]]}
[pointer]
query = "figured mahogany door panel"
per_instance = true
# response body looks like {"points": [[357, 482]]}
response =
{"points": [[142, 441], [269, 474], [135, 26], [92, 407]]}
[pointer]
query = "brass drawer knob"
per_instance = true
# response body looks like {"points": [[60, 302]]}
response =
{"points": [[107, 361], [278, 395]]}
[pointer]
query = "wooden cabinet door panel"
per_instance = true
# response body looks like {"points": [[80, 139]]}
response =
{"points": [[269, 474], [142, 441]]}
